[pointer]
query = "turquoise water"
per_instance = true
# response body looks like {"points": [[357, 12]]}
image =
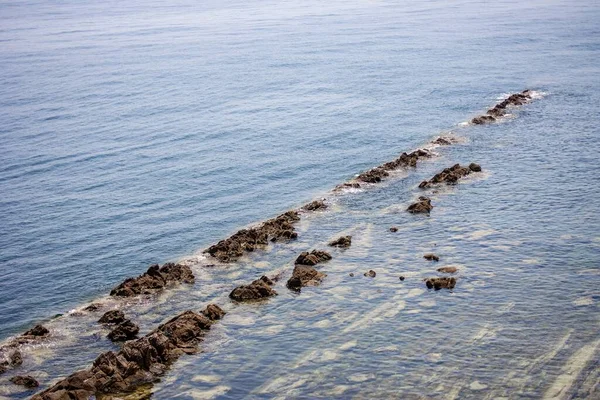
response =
{"points": [[139, 133]]}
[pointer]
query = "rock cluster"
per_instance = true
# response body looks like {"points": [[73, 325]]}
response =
{"points": [[139, 362], [247, 240], [421, 206], [451, 175], [259, 289], [154, 280], [376, 174], [499, 110], [315, 206], [440, 283], [312, 258], [343, 241], [124, 330]]}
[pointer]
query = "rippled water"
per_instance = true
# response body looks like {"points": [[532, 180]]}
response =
{"points": [[139, 133]]}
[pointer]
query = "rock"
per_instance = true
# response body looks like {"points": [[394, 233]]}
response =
{"points": [[448, 270], [376, 174], [351, 274], [483, 119], [401, 278], [475, 167], [154, 280], [37, 331], [248, 240], [15, 359], [112, 317], [451, 175], [3, 367], [313, 258], [315, 206], [126, 330], [370, 273], [443, 141], [422, 206], [213, 312], [93, 307], [140, 362], [393, 229], [344, 242], [440, 283], [304, 275], [431, 257], [373, 175], [260, 288], [28, 381]]}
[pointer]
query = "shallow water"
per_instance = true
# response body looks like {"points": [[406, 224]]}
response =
{"points": [[136, 134]]}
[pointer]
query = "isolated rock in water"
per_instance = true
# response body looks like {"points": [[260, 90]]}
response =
{"points": [[351, 274], [312, 258], [260, 288], [344, 241], [112, 317], [370, 273], [448, 270], [315, 206], [401, 278], [154, 280], [422, 206], [431, 257], [304, 275], [213, 312], [475, 167], [126, 330], [440, 283], [483, 119], [393, 229], [27, 381], [37, 331], [15, 359], [451, 175], [247, 240], [139, 362]]}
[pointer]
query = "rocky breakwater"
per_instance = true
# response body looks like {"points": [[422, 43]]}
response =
{"points": [[248, 240], [304, 273], [139, 362], [10, 356], [451, 175], [500, 109], [154, 280]]}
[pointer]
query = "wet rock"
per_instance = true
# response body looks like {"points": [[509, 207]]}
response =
{"points": [[3, 367], [154, 280], [139, 362], [475, 167], [451, 175], [313, 258], [440, 283], [351, 274], [248, 240], [499, 110], [448, 270], [373, 175], [112, 317], [28, 381], [431, 257], [370, 273], [304, 275], [37, 331], [213, 312], [401, 278], [93, 307], [126, 330], [315, 206], [393, 229], [422, 206], [260, 288], [15, 359], [444, 141], [483, 119], [344, 242]]}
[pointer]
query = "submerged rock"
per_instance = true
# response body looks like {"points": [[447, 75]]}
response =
{"points": [[431, 257], [393, 229], [451, 175], [422, 206], [260, 288], [448, 270], [315, 206], [126, 330], [138, 363], [112, 317], [304, 275], [154, 280], [370, 273], [440, 283], [344, 242], [28, 381], [313, 258], [248, 240], [351, 274], [15, 359]]}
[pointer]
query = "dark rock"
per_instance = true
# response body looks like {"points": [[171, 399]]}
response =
{"points": [[422, 206], [373, 175], [370, 273], [213, 312], [248, 240], [112, 317], [393, 229], [351, 274], [38, 331], [93, 307], [28, 381], [315, 206], [260, 288], [440, 283], [304, 275], [483, 119], [497, 112], [126, 330], [448, 270], [154, 280], [401, 278], [15, 359], [344, 242], [475, 167], [3, 367], [313, 258], [431, 257], [451, 175], [444, 141]]}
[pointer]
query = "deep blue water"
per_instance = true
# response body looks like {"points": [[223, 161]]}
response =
{"points": [[139, 132]]}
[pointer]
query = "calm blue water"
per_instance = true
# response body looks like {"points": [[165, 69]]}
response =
{"points": [[139, 132]]}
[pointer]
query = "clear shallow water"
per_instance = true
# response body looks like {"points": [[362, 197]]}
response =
{"points": [[136, 134]]}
